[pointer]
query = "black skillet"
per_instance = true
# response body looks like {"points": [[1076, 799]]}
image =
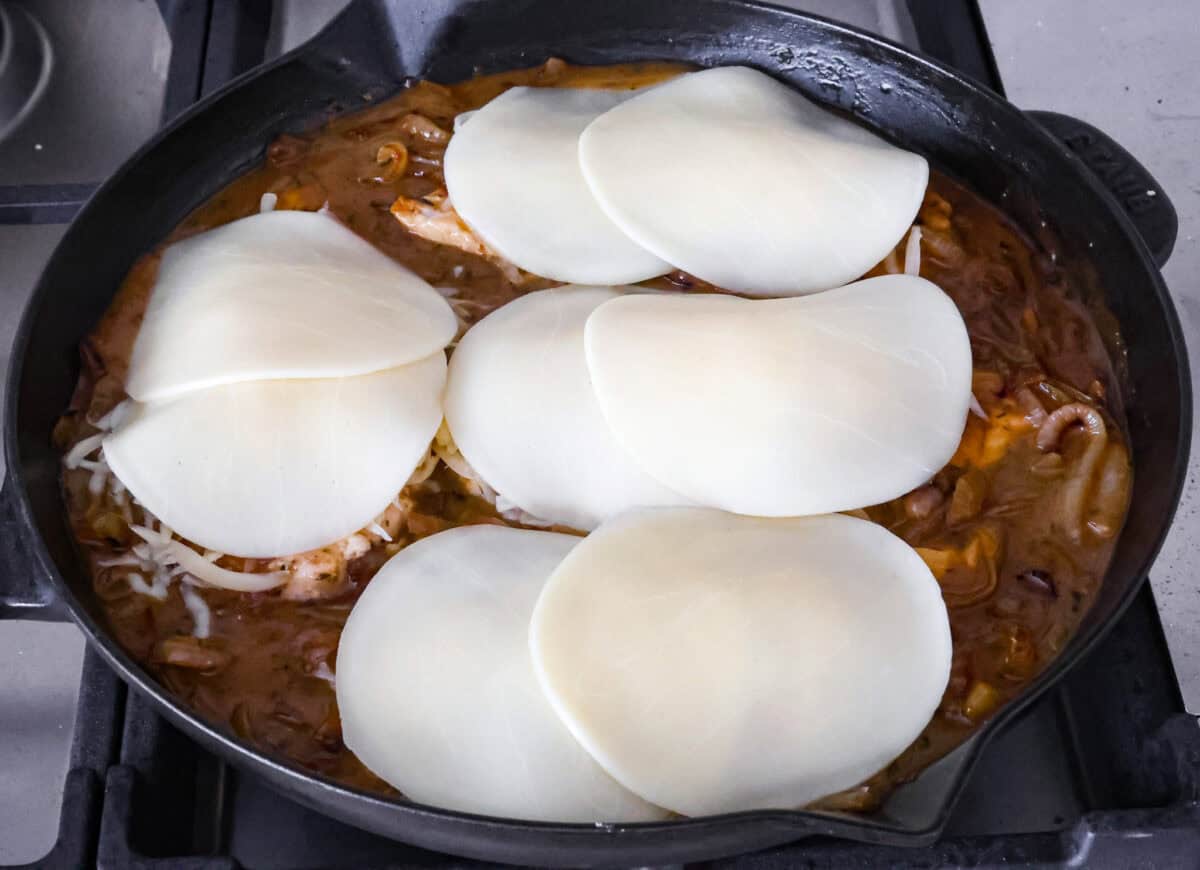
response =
{"points": [[1079, 194]]}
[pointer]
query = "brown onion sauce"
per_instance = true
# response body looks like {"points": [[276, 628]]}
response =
{"points": [[1016, 580]]}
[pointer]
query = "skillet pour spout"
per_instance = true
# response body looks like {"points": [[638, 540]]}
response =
{"points": [[1067, 185]]}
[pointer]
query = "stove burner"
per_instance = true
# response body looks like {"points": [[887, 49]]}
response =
{"points": [[25, 61]]}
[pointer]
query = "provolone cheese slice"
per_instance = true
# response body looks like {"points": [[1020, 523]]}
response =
{"points": [[786, 407], [513, 176], [714, 663], [436, 688], [737, 179], [285, 294], [271, 468], [520, 406]]}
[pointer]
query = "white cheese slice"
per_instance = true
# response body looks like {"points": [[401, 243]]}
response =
{"points": [[714, 663], [284, 294], [271, 468], [739, 180], [785, 407], [513, 176], [520, 406], [437, 692]]}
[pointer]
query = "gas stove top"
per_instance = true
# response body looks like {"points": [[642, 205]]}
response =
{"points": [[1105, 770]]}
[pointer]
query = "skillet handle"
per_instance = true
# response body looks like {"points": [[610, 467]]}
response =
{"points": [[1142, 198], [21, 595]]}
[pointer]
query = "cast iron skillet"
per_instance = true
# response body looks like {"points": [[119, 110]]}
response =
{"points": [[1101, 224]]}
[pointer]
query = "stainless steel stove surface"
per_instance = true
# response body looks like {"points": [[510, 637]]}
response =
{"points": [[82, 88], [1104, 763]]}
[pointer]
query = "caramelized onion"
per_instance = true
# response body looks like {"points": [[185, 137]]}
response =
{"points": [[1073, 494], [1051, 431], [943, 247], [551, 71], [315, 576], [393, 157], [968, 575], [287, 150], [982, 699], [935, 212], [1061, 394], [111, 527], [1018, 652], [306, 197], [240, 721], [189, 652], [1035, 412], [967, 500], [1050, 465], [433, 218], [922, 502], [1029, 320], [1111, 494], [1039, 581], [860, 799], [421, 127]]}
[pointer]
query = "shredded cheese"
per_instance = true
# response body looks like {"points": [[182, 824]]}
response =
{"points": [[115, 417], [160, 558], [322, 672], [167, 551], [448, 452], [379, 531], [76, 458], [422, 473], [99, 476], [354, 546], [156, 590], [514, 514], [81, 451], [912, 252], [198, 608], [131, 559]]}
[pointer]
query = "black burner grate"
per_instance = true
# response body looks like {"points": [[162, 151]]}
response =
{"points": [[1103, 771]]}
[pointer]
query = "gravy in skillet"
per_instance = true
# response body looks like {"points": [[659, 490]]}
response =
{"points": [[1018, 528]]}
